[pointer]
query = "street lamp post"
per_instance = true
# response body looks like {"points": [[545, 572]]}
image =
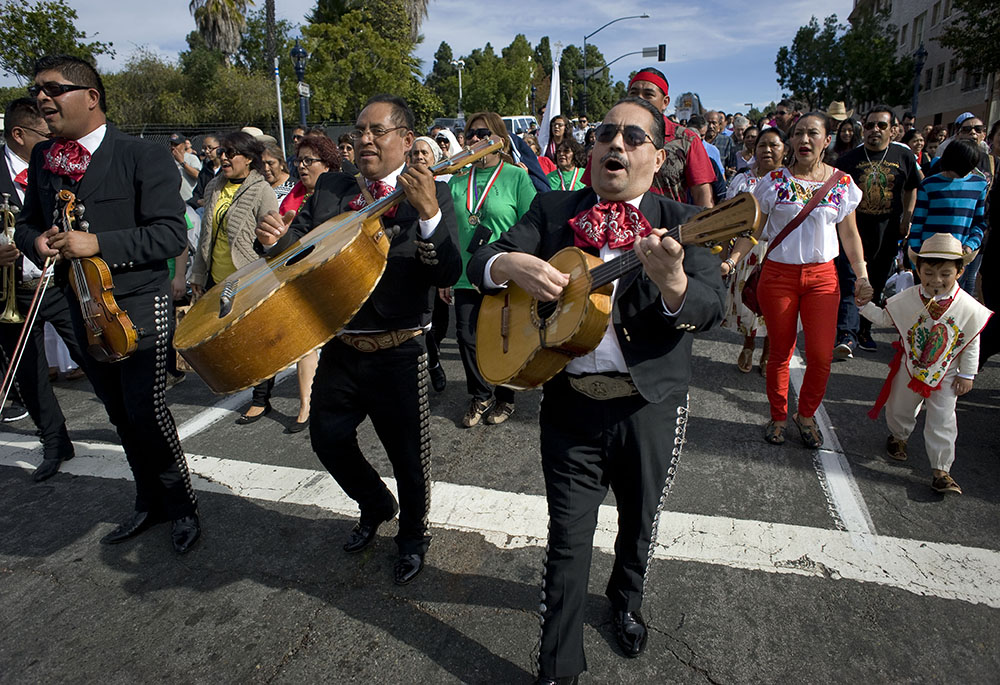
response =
{"points": [[460, 63], [299, 57], [919, 58], [585, 77]]}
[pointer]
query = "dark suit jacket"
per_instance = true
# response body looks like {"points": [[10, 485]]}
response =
{"points": [[405, 295], [656, 347], [7, 186], [131, 199]]}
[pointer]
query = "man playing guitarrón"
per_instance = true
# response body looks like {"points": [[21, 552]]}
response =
{"points": [[610, 416], [377, 365]]}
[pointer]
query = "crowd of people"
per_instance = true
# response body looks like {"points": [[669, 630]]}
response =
{"points": [[866, 221]]}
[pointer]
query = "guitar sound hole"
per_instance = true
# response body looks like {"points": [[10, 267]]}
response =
{"points": [[543, 311], [296, 258]]}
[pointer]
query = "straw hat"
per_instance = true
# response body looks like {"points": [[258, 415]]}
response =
{"points": [[838, 111], [258, 134], [942, 246]]}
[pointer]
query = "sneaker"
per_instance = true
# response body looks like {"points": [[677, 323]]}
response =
{"points": [[945, 483], [500, 412], [844, 350], [475, 413], [896, 449], [15, 412], [866, 343]]}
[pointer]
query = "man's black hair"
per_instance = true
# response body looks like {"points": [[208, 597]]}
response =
{"points": [[654, 70], [697, 121], [78, 71], [23, 113], [402, 115], [658, 131], [881, 108]]}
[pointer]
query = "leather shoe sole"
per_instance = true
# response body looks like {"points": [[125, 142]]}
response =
{"points": [[364, 533], [185, 532], [140, 522], [407, 567], [630, 632]]}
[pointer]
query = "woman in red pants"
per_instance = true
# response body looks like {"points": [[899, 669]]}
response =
{"points": [[799, 278]]}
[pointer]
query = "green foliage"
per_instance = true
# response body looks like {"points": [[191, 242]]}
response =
{"points": [[812, 69], [252, 54], [974, 35], [601, 95], [221, 23], [29, 30]]}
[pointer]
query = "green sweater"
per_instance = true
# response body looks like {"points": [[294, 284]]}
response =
{"points": [[554, 178]]}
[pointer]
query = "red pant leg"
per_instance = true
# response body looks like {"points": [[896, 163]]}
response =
{"points": [[778, 293], [818, 305]]}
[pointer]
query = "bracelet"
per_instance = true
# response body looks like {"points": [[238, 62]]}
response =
{"points": [[730, 262]]}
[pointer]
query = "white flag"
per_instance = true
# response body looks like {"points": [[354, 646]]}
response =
{"points": [[553, 107]]}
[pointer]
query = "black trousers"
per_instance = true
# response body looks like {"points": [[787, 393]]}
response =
{"points": [[467, 304], [880, 240], [588, 445], [439, 328], [32, 376], [389, 386], [133, 393]]}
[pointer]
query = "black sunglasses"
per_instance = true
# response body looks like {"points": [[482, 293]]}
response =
{"points": [[882, 125], [480, 133], [633, 136], [54, 90], [970, 128]]}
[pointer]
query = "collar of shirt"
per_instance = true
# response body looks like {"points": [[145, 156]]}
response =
{"points": [[93, 140], [634, 202], [14, 162], [951, 293], [390, 180]]}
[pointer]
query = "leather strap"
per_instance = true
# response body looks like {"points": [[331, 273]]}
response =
{"points": [[805, 211], [365, 193]]}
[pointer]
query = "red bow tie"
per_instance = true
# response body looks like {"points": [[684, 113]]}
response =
{"points": [[22, 179], [378, 190], [937, 307], [67, 158], [616, 223]]}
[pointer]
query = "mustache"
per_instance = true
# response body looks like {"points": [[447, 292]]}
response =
{"points": [[616, 156]]}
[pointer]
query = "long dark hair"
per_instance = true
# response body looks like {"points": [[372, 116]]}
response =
{"points": [[839, 147], [241, 143]]}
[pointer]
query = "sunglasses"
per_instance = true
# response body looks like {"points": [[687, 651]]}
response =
{"points": [[781, 114], [480, 133], [882, 125], [633, 136], [229, 152], [970, 128], [54, 90]]}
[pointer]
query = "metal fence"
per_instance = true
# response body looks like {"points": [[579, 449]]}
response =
{"points": [[160, 133]]}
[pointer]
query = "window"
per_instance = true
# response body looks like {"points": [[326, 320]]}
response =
{"points": [[973, 80], [918, 30], [902, 37], [939, 81], [946, 11], [936, 13], [953, 71], [928, 77]]}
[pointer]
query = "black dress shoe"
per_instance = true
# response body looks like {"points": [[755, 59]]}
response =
{"points": [[185, 532], [438, 380], [407, 567], [568, 680], [365, 530], [140, 522], [630, 631], [298, 426], [48, 468], [246, 420]]}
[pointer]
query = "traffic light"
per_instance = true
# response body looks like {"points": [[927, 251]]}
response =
{"points": [[661, 52]]}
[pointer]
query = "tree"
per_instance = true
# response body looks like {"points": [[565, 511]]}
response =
{"points": [[974, 35], [221, 23], [45, 27], [443, 78], [252, 54], [812, 69], [600, 94]]}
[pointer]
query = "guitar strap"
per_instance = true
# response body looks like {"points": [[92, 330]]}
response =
{"points": [[364, 189]]}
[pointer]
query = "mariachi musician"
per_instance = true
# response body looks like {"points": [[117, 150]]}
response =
{"points": [[136, 216], [23, 129], [618, 414], [377, 366]]}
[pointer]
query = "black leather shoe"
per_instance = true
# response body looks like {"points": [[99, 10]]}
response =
{"points": [[185, 532], [630, 631], [140, 522], [407, 567], [47, 469], [246, 420], [438, 380], [298, 426], [365, 530], [568, 680]]}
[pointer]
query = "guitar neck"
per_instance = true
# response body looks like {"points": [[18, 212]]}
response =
{"points": [[619, 266]]}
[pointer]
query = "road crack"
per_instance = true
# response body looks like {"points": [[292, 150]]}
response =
{"points": [[689, 661]]}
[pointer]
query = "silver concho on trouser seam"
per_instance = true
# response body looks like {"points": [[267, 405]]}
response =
{"points": [[424, 407], [163, 309], [680, 437]]}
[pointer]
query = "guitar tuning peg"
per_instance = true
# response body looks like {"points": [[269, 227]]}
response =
{"points": [[716, 249]]}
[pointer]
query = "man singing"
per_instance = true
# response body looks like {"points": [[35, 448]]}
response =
{"points": [[377, 365], [130, 190], [630, 438]]}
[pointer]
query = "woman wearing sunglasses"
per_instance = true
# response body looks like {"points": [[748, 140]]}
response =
{"points": [[799, 278], [488, 200]]}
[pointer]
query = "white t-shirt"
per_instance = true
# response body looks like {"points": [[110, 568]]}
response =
{"points": [[782, 196]]}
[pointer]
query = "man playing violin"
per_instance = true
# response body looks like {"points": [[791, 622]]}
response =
{"points": [[618, 414], [377, 365], [129, 188]]}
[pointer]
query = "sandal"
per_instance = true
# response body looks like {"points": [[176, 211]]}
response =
{"points": [[745, 361], [774, 433], [809, 433]]}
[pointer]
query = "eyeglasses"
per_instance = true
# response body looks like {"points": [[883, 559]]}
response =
{"points": [[54, 90], [779, 113], [43, 134], [882, 125], [970, 128], [229, 152], [633, 136], [359, 134], [558, 124], [306, 161], [480, 133], [297, 136]]}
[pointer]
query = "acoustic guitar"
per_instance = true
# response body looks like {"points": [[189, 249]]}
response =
{"points": [[276, 310], [522, 342], [111, 335]]}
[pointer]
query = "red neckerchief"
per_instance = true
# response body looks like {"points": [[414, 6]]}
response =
{"points": [[67, 158], [616, 223], [936, 307], [378, 189], [22, 178]]}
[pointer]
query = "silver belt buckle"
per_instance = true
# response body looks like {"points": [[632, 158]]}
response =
{"points": [[599, 387]]}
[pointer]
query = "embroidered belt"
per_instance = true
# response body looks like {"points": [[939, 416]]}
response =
{"points": [[32, 283], [373, 342], [604, 387]]}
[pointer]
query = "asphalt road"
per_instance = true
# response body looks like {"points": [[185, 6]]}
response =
{"points": [[773, 563]]}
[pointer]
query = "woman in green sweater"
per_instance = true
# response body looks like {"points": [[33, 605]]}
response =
{"points": [[570, 163]]}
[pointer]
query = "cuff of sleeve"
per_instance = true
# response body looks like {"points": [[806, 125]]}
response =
{"points": [[427, 227], [666, 310], [487, 281], [967, 376]]}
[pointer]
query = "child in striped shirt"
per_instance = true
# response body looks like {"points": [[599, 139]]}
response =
{"points": [[953, 200]]}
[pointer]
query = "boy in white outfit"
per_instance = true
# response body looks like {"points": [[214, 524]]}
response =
{"points": [[939, 326]]}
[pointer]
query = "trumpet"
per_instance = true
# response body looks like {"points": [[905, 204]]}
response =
{"points": [[8, 277]]}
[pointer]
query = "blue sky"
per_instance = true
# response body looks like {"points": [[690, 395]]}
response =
{"points": [[722, 50]]}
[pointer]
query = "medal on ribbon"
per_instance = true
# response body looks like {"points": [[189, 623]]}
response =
{"points": [[470, 198]]}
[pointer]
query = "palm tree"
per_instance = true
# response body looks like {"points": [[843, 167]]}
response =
{"points": [[221, 23], [416, 11], [330, 11]]}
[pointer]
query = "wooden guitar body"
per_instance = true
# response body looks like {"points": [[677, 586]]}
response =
{"points": [[111, 335], [273, 312], [522, 347]]}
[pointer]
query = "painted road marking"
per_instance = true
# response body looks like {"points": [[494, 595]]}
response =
{"points": [[512, 520]]}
